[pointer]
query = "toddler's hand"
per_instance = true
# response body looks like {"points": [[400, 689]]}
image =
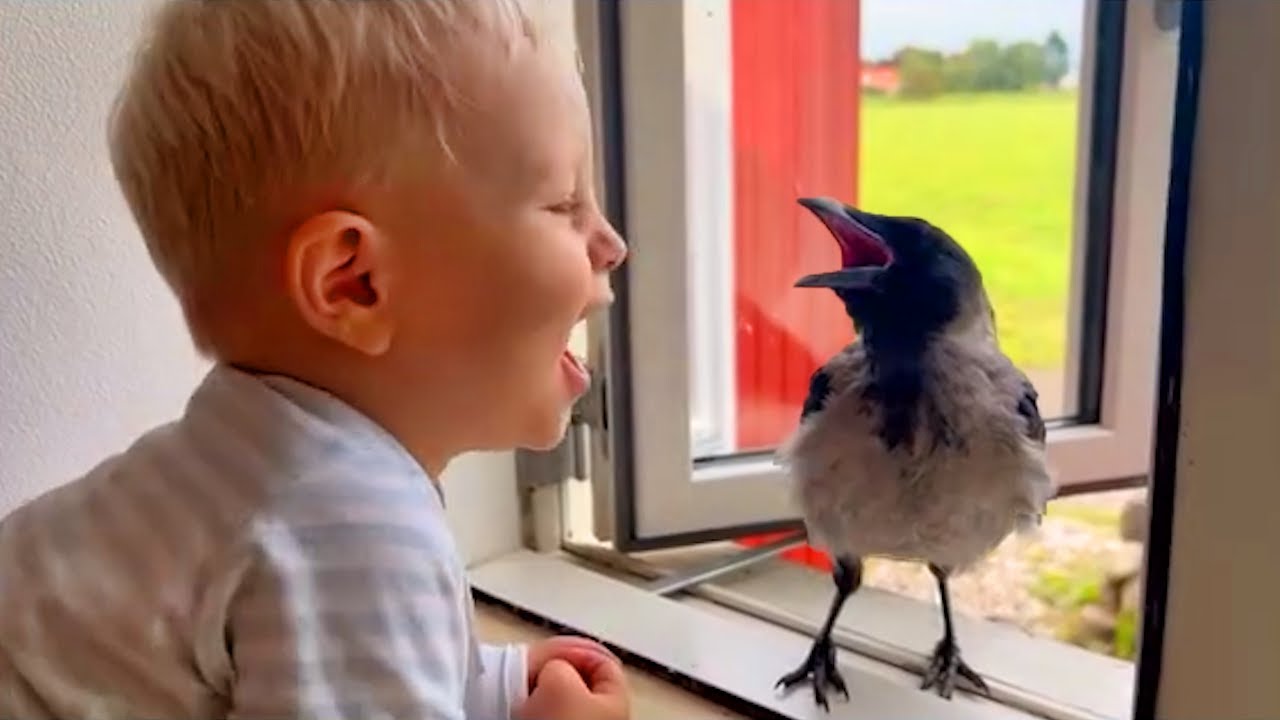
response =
{"points": [[574, 679], [579, 652]]}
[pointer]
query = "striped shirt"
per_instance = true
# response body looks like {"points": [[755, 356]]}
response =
{"points": [[272, 553]]}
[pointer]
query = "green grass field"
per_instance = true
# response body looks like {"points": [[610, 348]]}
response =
{"points": [[997, 172]]}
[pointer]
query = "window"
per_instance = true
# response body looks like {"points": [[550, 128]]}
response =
{"points": [[1013, 124], [1037, 133]]}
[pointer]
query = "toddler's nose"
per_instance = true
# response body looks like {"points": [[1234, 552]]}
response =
{"points": [[607, 249]]}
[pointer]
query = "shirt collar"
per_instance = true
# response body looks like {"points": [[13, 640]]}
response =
{"points": [[310, 417]]}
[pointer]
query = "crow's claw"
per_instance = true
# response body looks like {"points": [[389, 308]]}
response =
{"points": [[819, 668], [944, 667]]}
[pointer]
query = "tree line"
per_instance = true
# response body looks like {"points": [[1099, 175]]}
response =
{"points": [[985, 66]]}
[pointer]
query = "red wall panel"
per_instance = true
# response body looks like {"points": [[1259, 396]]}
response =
{"points": [[795, 123]]}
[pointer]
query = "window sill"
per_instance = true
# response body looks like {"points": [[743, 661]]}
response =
{"points": [[737, 658], [1038, 675]]}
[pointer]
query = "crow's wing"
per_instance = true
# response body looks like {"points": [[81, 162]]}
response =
{"points": [[819, 389], [1029, 409]]}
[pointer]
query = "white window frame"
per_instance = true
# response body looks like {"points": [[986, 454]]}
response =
{"points": [[674, 153], [709, 157]]}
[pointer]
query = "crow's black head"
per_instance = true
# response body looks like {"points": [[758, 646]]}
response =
{"points": [[900, 278]]}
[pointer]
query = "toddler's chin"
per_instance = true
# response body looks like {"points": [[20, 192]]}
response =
{"points": [[548, 431]]}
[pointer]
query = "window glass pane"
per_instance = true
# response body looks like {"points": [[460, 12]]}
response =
{"points": [[964, 112]]}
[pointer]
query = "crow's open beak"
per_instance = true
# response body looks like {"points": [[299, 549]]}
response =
{"points": [[858, 278], [863, 251]]}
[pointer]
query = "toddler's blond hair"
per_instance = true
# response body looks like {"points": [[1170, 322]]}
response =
{"points": [[234, 107]]}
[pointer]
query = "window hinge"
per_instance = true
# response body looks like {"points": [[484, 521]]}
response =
{"points": [[591, 409], [590, 421], [568, 460], [576, 438]]}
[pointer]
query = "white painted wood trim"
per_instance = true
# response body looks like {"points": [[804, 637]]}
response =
{"points": [[1119, 446], [1080, 209]]}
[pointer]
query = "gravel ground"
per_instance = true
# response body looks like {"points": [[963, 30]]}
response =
{"points": [[1075, 538]]}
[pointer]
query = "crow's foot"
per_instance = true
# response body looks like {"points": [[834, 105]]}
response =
{"points": [[819, 668], [944, 667]]}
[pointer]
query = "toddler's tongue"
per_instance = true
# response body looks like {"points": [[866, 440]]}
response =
{"points": [[577, 373]]}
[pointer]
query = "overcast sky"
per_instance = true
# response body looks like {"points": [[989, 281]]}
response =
{"points": [[950, 25]]}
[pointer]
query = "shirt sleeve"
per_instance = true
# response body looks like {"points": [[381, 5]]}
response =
{"points": [[501, 683], [361, 619]]}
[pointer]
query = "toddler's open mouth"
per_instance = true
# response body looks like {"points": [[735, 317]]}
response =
{"points": [[577, 374]]}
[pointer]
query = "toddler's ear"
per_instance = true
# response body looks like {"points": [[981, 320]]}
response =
{"points": [[336, 266]]}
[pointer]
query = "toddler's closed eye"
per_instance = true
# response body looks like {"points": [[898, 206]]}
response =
{"points": [[566, 207]]}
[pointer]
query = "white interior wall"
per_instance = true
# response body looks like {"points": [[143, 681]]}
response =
{"points": [[92, 347]]}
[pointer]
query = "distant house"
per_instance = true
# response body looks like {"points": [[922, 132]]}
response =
{"points": [[880, 77]]}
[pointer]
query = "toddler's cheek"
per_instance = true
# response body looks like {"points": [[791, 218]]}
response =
{"points": [[557, 273], [557, 300]]}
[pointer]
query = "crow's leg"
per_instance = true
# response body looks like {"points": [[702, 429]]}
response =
{"points": [[946, 663], [820, 666]]}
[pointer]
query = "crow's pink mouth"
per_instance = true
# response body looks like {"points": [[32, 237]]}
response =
{"points": [[864, 254], [859, 246]]}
